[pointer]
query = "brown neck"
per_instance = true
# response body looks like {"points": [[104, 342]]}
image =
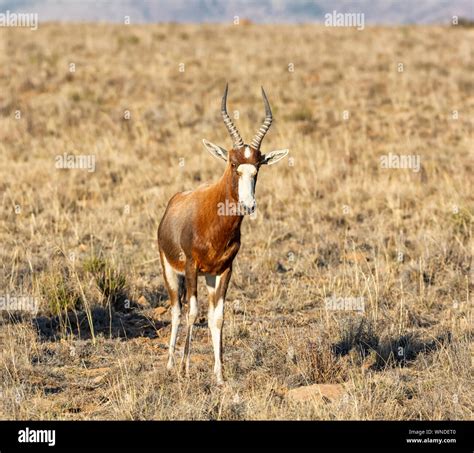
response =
{"points": [[225, 186], [227, 201]]}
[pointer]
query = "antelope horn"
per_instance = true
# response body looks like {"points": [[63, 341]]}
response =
{"points": [[234, 133], [257, 140]]}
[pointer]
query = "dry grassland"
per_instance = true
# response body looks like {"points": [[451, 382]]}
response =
{"points": [[331, 223]]}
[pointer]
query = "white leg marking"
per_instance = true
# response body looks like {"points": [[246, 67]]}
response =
{"points": [[216, 320], [192, 315], [175, 319], [193, 310], [172, 280]]}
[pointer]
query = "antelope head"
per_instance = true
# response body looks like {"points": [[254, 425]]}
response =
{"points": [[243, 160]]}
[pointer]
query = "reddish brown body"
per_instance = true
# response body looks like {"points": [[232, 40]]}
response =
{"points": [[192, 229]]}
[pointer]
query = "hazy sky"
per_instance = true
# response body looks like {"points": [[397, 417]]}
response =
{"points": [[140, 11]]}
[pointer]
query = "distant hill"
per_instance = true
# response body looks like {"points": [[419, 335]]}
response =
{"points": [[145, 11]]}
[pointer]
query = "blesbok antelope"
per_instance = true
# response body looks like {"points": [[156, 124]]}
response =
{"points": [[197, 236]]}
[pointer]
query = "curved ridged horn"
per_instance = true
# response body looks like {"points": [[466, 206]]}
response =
{"points": [[234, 133], [257, 141]]}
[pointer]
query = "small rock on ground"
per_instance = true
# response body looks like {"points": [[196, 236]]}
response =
{"points": [[325, 392]]}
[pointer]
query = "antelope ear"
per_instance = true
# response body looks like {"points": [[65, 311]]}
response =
{"points": [[215, 150], [274, 156]]}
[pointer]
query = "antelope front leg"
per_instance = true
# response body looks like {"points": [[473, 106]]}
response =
{"points": [[216, 317], [191, 296]]}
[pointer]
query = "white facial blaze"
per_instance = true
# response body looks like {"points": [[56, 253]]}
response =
{"points": [[247, 174]]}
